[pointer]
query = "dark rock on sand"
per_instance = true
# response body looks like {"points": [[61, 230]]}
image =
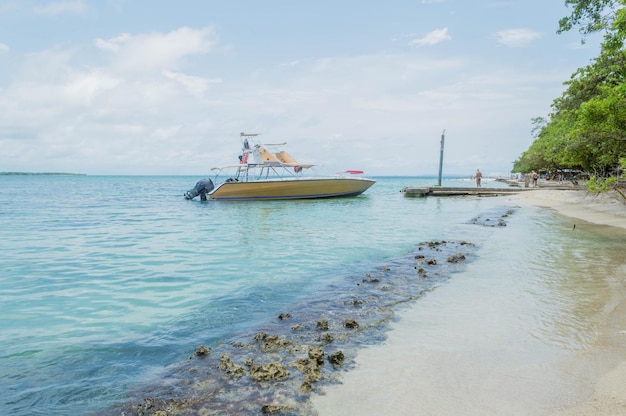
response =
{"points": [[456, 258], [201, 351], [351, 323], [272, 409], [310, 368], [322, 324], [269, 371], [421, 272], [317, 354], [336, 359], [272, 343], [229, 367], [326, 338]]}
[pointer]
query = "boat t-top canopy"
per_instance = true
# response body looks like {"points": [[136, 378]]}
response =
{"points": [[242, 134]]}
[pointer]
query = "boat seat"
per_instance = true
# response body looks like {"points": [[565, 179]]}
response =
{"points": [[285, 157], [267, 157]]}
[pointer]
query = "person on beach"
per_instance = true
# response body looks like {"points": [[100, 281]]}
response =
{"points": [[479, 176], [535, 176]]}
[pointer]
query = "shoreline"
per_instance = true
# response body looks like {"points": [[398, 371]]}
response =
{"points": [[380, 383], [603, 209]]}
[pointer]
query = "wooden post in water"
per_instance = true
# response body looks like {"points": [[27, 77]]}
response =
{"points": [[443, 138]]}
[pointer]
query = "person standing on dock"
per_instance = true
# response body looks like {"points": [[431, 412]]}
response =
{"points": [[479, 176]]}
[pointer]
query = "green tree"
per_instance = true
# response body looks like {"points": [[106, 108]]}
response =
{"points": [[587, 127], [590, 15]]}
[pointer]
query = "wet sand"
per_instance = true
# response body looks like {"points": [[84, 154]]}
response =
{"points": [[406, 376], [609, 393]]}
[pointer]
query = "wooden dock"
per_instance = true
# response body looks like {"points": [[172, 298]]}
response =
{"points": [[514, 187], [422, 191]]}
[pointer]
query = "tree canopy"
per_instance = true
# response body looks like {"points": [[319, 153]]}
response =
{"points": [[586, 129]]}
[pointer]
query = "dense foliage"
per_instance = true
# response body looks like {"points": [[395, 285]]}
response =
{"points": [[586, 130]]}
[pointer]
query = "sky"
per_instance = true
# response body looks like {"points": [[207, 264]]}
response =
{"points": [[138, 87]]}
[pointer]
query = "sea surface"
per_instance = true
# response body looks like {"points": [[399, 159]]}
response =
{"points": [[109, 282]]}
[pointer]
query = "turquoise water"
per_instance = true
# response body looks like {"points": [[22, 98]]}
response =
{"points": [[106, 280]]}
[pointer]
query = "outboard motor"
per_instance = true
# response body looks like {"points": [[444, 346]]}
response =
{"points": [[202, 188]]}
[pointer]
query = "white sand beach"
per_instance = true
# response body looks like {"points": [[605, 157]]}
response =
{"points": [[407, 376], [605, 209]]}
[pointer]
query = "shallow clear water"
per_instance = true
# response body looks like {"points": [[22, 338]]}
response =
{"points": [[104, 281]]}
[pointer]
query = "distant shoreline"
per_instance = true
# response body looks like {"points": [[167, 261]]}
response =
{"points": [[41, 174]]}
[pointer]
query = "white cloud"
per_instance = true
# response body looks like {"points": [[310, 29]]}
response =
{"points": [[195, 85], [62, 7], [113, 44], [157, 51], [432, 38], [83, 88], [516, 37], [4, 47]]}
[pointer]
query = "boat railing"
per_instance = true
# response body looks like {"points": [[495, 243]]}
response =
{"points": [[257, 171]]}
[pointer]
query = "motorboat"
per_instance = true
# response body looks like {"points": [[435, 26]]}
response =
{"points": [[265, 173]]}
